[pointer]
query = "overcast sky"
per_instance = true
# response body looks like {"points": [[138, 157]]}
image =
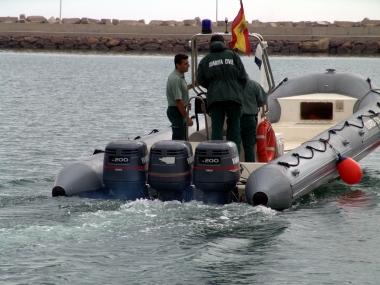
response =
{"points": [[263, 10]]}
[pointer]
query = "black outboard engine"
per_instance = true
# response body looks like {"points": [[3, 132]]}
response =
{"points": [[124, 169], [216, 170], [169, 172]]}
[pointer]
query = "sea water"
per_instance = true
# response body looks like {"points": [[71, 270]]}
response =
{"points": [[57, 108]]}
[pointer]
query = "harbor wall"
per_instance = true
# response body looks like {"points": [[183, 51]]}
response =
{"points": [[128, 36]]}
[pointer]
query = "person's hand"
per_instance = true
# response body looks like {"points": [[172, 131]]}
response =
{"points": [[189, 122], [190, 86]]}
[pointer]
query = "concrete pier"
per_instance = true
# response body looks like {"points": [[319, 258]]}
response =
{"points": [[128, 36]]}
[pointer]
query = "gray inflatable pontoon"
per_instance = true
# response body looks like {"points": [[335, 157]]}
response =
{"points": [[312, 164]]}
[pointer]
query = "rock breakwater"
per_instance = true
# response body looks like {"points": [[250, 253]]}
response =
{"points": [[126, 36], [169, 45]]}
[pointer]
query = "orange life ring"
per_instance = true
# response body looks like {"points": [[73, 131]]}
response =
{"points": [[265, 142]]}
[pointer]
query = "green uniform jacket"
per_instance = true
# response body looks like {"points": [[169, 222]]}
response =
{"points": [[223, 74], [254, 97]]}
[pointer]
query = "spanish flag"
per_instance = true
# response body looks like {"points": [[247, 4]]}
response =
{"points": [[240, 35]]}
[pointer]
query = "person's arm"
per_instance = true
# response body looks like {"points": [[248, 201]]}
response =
{"points": [[242, 76], [182, 109], [261, 95], [201, 76]]}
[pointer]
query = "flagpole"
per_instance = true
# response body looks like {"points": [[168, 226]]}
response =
{"points": [[60, 10], [216, 11]]}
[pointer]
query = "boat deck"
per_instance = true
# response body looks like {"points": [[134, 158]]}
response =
{"points": [[295, 134]]}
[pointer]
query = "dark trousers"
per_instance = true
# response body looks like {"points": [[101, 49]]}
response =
{"points": [[248, 124], [219, 111], [178, 123]]}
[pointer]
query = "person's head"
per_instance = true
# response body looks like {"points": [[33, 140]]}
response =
{"points": [[181, 62], [217, 43], [217, 38]]}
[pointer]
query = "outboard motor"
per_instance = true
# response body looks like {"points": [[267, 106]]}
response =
{"points": [[169, 172], [216, 170], [124, 169]]}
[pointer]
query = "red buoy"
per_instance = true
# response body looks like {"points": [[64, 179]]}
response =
{"points": [[349, 170]]}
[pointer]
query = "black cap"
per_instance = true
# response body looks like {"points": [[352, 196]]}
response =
{"points": [[217, 38]]}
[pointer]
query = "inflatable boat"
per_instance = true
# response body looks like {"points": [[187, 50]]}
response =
{"points": [[313, 124]]}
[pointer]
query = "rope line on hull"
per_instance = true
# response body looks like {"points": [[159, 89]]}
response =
{"points": [[372, 114]]}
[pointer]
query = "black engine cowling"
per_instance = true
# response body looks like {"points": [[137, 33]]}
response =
{"points": [[216, 170], [124, 169], [169, 172]]}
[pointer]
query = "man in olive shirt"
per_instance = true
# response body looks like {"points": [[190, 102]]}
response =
{"points": [[178, 97], [254, 97], [223, 74]]}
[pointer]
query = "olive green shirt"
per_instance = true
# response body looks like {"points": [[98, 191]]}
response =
{"points": [[254, 97], [176, 88]]}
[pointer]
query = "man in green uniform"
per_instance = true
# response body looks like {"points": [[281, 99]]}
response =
{"points": [[254, 97], [224, 76], [178, 97]]}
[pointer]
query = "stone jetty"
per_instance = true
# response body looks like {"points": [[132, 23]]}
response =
{"points": [[128, 36]]}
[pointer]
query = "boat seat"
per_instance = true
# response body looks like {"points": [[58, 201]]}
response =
{"points": [[199, 136]]}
